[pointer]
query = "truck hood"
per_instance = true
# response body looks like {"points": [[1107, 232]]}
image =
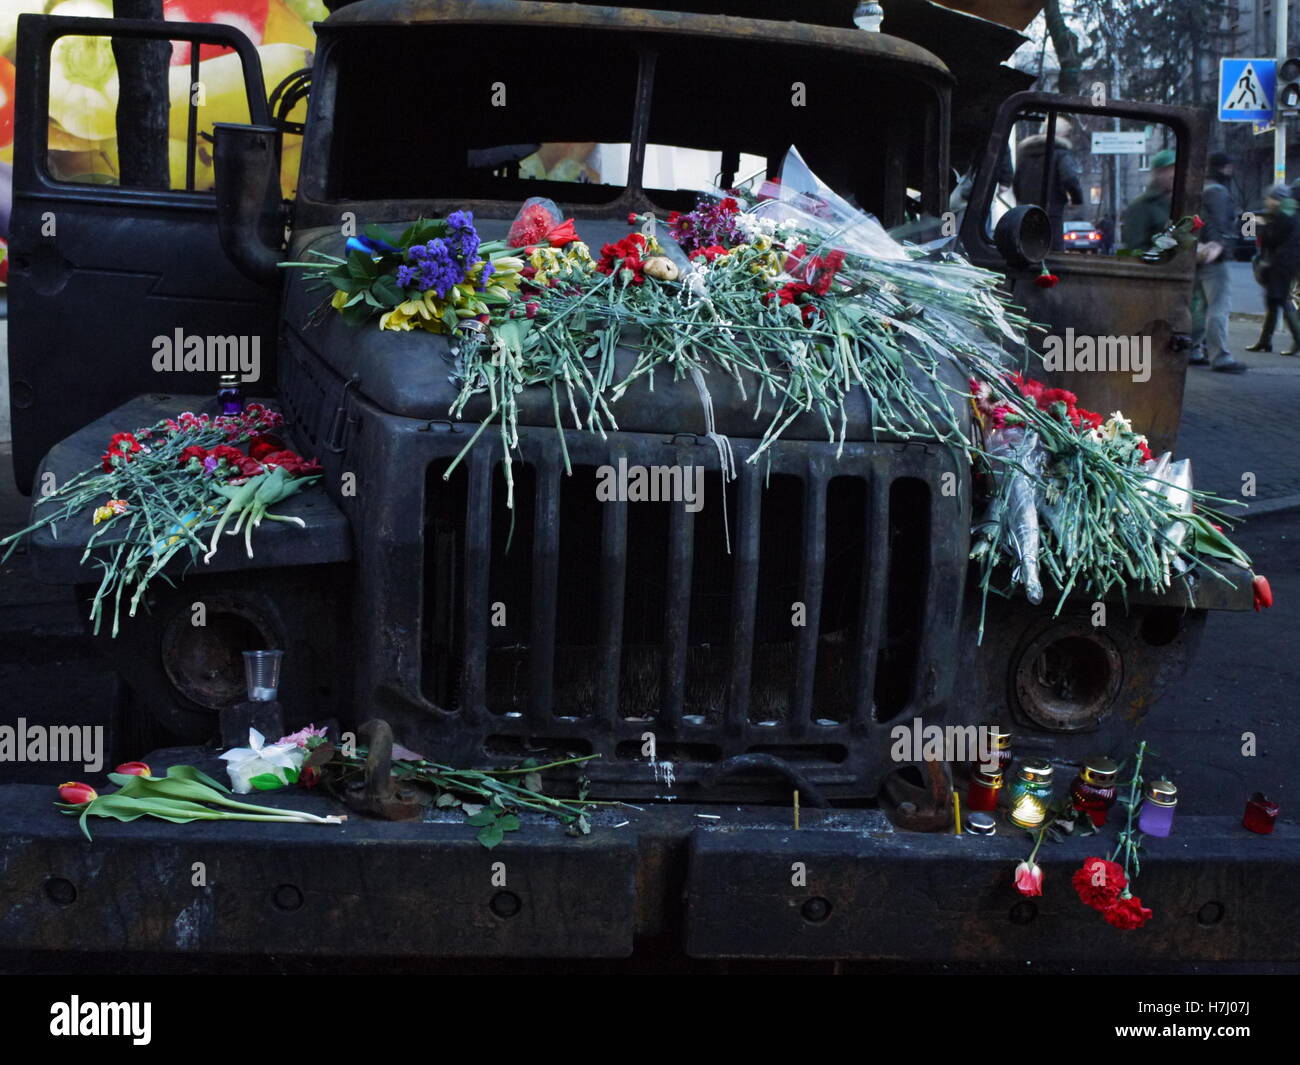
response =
{"points": [[409, 373]]}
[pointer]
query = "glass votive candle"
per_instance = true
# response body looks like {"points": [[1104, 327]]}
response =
{"points": [[1093, 790], [983, 791], [1031, 794], [1156, 818], [1260, 814], [262, 675]]}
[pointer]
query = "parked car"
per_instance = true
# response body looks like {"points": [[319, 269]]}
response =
{"points": [[1082, 236]]}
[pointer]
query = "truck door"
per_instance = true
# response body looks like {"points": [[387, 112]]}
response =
{"points": [[115, 258], [1089, 166]]}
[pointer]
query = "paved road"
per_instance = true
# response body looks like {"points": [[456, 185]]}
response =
{"points": [[1245, 295], [1247, 423]]}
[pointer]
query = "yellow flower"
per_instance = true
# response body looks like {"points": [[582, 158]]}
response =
{"points": [[339, 299], [397, 319], [110, 509]]}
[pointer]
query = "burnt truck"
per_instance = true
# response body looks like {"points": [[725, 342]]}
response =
{"points": [[623, 622]]}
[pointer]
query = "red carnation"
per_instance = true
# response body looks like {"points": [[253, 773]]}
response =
{"points": [[791, 291], [1126, 913], [531, 227], [120, 446], [193, 452], [710, 253], [1047, 280], [1099, 882], [730, 206], [823, 270], [624, 255], [1144, 451], [1198, 223]]}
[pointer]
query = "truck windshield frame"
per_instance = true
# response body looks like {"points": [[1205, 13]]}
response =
{"points": [[811, 87]]}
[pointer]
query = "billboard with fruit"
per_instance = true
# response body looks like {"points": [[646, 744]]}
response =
{"points": [[82, 144]]}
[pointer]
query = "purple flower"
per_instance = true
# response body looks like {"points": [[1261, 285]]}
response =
{"points": [[488, 271], [405, 276]]}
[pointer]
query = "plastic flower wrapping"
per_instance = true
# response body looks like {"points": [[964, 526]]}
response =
{"points": [[795, 299]]}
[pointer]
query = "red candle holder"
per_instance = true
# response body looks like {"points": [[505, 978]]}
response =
{"points": [[1261, 814]]}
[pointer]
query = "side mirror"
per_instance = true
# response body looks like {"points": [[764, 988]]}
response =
{"points": [[246, 160], [1024, 235]]}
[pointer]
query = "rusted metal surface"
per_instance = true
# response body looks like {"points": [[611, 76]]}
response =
{"points": [[1106, 296], [488, 13], [735, 883], [380, 794]]}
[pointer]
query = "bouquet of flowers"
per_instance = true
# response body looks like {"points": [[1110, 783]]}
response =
{"points": [[795, 300], [1083, 498], [158, 489]]}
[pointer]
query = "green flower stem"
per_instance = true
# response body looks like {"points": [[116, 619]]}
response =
{"points": [[1126, 843]]}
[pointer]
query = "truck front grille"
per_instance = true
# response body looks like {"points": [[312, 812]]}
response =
{"points": [[572, 624]]}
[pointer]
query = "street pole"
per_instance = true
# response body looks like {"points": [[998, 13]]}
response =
{"points": [[1279, 123]]}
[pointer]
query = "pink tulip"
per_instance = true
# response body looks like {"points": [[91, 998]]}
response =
{"points": [[1029, 878]]}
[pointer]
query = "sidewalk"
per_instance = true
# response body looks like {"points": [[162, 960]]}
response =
{"points": [[1245, 423]]}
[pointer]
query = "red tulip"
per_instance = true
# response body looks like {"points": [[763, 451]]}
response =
{"points": [[1029, 878], [1263, 593], [562, 234], [135, 769], [76, 793]]}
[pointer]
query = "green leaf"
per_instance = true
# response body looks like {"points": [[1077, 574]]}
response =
{"points": [[508, 823], [482, 818], [197, 776], [387, 292], [446, 799], [362, 265], [490, 835]]}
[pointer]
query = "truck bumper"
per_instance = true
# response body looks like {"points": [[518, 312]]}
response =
{"points": [[705, 882]]}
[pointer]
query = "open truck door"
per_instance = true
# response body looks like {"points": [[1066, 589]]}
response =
{"points": [[1133, 314], [110, 270]]}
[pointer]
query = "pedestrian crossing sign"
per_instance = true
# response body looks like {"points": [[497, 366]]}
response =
{"points": [[1246, 89]]}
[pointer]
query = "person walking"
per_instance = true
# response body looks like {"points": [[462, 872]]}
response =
{"points": [[1148, 214], [1279, 261], [1063, 187], [1210, 328]]}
